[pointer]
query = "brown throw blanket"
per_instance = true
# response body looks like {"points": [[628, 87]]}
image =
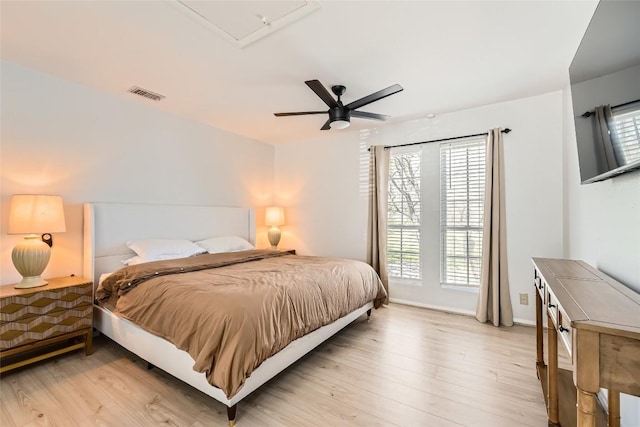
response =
{"points": [[232, 311]]}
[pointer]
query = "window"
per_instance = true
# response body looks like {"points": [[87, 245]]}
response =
{"points": [[447, 178], [627, 128], [462, 174], [403, 222]]}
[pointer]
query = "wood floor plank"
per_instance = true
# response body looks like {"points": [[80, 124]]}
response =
{"points": [[26, 397], [366, 397], [112, 415], [405, 367], [320, 405], [57, 418], [517, 410], [5, 414], [260, 409], [436, 404], [75, 394], [369, 395], [473, 389]]}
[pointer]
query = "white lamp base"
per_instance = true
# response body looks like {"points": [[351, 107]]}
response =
{"points": [[274, 237], [31, 282], [30, 257]]}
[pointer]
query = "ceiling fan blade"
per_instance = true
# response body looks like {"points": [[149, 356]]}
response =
{"points": [[327, 125], [322, 92], [365, 115], [299, 113], [375, 97]]}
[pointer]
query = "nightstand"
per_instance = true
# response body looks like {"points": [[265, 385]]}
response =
{"points": [[39, 323], [291, 251]]}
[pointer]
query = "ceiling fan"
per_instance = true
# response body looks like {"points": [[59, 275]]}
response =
{"points": [[339, 114]]}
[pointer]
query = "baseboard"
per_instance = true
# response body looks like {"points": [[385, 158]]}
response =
{"points": [[524, 322], [433, 307]]}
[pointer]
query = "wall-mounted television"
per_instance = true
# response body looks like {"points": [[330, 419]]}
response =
{"points": [[605, 91]]}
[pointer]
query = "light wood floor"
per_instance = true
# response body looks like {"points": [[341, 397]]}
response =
{"points": [[405, 367]]}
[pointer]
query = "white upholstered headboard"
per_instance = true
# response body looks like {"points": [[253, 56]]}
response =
{"points": [[107, 226]]}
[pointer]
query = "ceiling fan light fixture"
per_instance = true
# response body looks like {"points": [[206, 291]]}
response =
{"points": [[339, 124]]}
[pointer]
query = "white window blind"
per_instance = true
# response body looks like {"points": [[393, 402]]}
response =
{"points": [[462, 175], [403, 221], [627, 144]]}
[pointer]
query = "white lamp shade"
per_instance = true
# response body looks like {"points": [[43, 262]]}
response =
{"points": [[36, 214], [274, 216]]}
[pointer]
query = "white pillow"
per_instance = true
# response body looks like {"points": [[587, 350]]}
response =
{"points": [[158, 249], [225, 244], [139, 260], [103, 277], [133, 260]]}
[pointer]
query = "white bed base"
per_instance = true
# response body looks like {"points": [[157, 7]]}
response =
{"points": [[166, 356], [107, 226]]}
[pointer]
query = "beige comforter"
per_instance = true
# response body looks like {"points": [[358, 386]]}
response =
{"points": [[232, 311]]}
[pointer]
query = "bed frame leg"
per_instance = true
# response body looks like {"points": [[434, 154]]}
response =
{"points": [[368, 314], [231, 414]]}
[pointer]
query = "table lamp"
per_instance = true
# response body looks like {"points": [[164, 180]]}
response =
{"points": [[34, 214], [274, 218]]}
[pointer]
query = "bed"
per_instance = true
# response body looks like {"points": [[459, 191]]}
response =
{"points": [[107, 226]]}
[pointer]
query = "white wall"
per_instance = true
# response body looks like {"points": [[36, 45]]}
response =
{"points": [[602, 227], [322, 185], [319, 181], [62, 138]]}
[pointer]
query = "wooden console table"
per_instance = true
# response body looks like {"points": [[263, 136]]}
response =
{"points": [[598, 321]]}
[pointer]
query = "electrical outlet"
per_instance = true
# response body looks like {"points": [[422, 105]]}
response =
{"points": [[524, 299]]}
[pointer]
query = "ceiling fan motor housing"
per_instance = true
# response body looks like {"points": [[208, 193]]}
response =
{"points": [[339, 113]]}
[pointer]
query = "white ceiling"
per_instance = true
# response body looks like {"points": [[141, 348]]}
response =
{"points": [[447, 55]]}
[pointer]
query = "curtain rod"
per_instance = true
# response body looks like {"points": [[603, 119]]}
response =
{"points": [[386, 147], [591, 113]]}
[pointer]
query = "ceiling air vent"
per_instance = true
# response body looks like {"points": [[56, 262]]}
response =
{"points": [[146, 93]]}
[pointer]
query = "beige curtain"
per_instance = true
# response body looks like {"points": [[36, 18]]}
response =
{"points": [[377, 223], [606, 134], [494, 300]]}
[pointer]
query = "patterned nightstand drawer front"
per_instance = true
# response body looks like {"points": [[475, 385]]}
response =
{"points": [[44, 314]]}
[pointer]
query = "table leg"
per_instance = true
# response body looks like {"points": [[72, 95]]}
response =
{"points": [[539, 331], [88, 345], [614, 408], [586, 408], [553, 372]]}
